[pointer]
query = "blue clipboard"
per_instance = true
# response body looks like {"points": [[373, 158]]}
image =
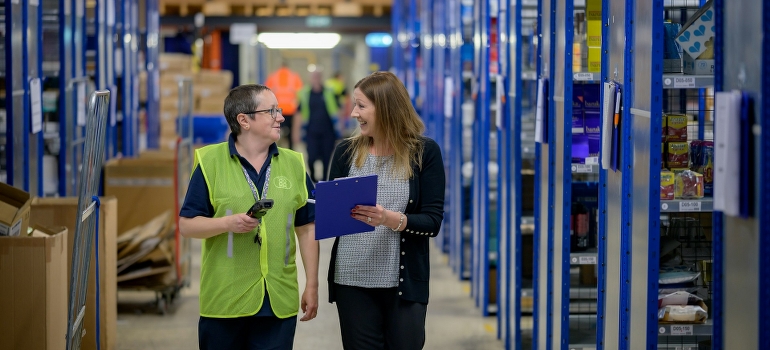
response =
{"points": [[335, 199]]}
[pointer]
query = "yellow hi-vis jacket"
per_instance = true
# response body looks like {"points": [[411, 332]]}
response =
{"points": [[234, 269]]}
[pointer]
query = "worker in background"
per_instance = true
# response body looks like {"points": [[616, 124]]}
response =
{"points": [[319, 107], [337, 84], [285, 84], [247, 199]]}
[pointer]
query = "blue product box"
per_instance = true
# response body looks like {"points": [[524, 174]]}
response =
{"points": [[593, 120], [579, 148], [578, 126]]}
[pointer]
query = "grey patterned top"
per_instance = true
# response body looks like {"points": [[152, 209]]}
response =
{"points": [[371, 259]]}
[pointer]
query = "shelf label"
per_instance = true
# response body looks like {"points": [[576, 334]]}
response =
{"points": [[81, 104], [584, 76], [36, 105], [681, 329], [582, 168], [684, 82], [587, 260], [688, 206], [592, 160]]}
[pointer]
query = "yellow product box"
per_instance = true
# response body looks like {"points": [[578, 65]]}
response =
{"points": [[594, 33], [676, 127], [667, 185], [594, 59], [677, 155]]}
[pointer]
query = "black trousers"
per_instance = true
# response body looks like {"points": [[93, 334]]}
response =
{"points": [[320, 146], [287, 124], [247, 333], [377, 319]]}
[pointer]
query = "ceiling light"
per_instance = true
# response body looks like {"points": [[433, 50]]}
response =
{"points": [[299, 40]]}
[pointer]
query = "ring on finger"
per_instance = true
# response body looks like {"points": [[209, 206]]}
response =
{"points": [[369, 219]]}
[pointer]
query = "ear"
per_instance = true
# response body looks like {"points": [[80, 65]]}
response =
{"points": [[243, 120]]}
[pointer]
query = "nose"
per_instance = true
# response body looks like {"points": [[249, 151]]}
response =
{"points": [[279, 117]]}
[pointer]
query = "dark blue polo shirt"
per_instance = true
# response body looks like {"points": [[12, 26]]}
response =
{"points": [[196, 202]]}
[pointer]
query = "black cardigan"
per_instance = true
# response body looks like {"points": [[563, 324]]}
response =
{"points": [[424, 211]]}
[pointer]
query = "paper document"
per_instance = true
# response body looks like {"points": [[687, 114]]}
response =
{"points": [[335, 199]]}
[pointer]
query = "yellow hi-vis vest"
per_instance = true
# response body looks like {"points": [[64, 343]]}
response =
{"points": [[234, 269], [329, 99]]}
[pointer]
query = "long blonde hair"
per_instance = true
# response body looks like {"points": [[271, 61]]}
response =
{"points": [[397, 123]]}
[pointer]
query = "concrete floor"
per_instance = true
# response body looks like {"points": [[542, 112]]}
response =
{"points": [[453, 322]]}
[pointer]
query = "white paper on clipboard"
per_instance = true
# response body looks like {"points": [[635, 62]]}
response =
{"points": [[727, 152], [540, 117], [36, 105], [608, 110]]}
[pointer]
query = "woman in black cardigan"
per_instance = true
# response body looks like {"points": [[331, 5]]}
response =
{"points": [[379, 279]]}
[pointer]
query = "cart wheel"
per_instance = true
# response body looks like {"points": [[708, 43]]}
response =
{"points": [[162, 305]]}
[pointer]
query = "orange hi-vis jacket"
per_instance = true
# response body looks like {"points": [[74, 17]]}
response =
{"points": [[285, 85]]}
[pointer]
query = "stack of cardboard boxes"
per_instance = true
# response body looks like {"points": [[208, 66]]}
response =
{"points": [[210, 87], [35, 263]]}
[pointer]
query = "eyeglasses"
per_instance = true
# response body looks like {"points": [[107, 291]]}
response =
{"points": [[274, 112]]}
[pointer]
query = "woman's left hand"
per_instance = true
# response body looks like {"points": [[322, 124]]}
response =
{"points": [[372, 215]]}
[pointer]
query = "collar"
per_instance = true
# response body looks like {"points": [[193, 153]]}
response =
{"points": [[271, 151]]}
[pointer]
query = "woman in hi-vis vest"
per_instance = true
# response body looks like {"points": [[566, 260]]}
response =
{"points": [[386, 271], [248, 201]]}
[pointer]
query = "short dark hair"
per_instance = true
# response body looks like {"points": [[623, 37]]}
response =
{"points": [[242, 99]]}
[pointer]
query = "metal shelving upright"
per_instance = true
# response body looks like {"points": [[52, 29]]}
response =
{"points": [[151, 49], [22, 73], [127, 73]]}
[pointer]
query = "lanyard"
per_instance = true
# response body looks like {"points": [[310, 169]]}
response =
{"points": [[251, 183]]}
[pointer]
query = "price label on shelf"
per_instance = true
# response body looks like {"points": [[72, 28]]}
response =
{"points": [[681, 329], [587, 260], [582, 168], [684, 82], [584, 76], [592, 160], [689, 206]]}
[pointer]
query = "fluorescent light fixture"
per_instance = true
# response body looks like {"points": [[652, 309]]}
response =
{"points": [[299, 40]]}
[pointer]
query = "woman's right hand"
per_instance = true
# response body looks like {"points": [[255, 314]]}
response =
{"points": [[241, 223]]}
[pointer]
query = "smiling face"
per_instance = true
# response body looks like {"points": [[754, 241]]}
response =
{"points": [[364, 112], [261, 124]]}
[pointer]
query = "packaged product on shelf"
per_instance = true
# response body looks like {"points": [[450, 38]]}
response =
{"points": [[688, 185], [702, 161], [676, 127], [578, 126], [677, 155], [666, 185], [683, 314], [592, 117]]}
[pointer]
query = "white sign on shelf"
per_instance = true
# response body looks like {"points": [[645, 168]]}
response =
{"points": [[681, 329], [583, 76], [36, 105], [684, 82], [689, 206], [592, 160], [587, 260], [582, 168]]}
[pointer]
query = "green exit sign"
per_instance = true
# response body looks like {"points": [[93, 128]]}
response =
{"points": [[318, 21]]}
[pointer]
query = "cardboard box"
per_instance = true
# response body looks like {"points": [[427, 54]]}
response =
{"points": [[212, 105], [144, 185], [33, 296], [677, 155], [216, 80], [698, 30], [676, 127], [63, 212], [594, 23], [697, 66], [175, 62], [14, 210]]}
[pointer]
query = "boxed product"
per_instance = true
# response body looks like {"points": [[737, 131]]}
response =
{"points": [[676, 127], [694, 66], [697, 31], [688, 185], [33, 296], [594, 23], [14, 210], [579, 148], [592, 117], [577, 110], [681, 307], [677, 155], [702, 161], [595, 59], [666, 185]]}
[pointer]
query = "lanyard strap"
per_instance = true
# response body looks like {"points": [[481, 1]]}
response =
{"points": [[251, 183]]}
